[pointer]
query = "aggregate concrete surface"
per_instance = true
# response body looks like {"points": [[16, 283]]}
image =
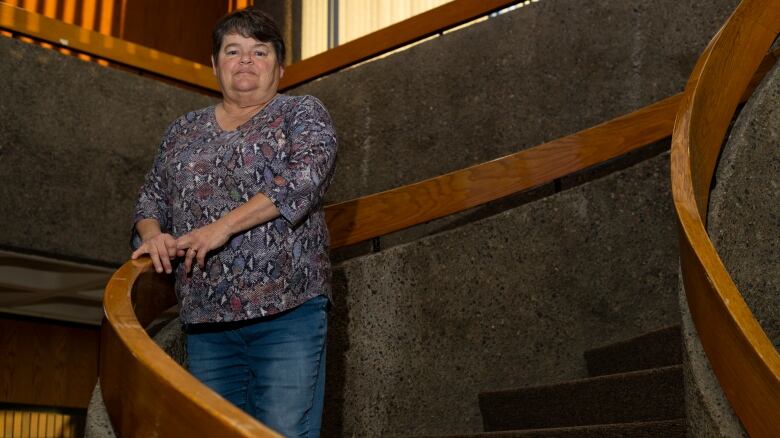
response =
{"points": [[744, 217], [508, 83], [743, 225], [76, 140]]}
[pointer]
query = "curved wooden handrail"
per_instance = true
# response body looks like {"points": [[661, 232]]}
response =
{"points": [[145, 392], [135, 294], [403, 207], [408, 31], [140, 381], [383, 213], [744, 360]]}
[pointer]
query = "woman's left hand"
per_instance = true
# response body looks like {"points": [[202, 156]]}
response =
{"points": [[197, 243]]}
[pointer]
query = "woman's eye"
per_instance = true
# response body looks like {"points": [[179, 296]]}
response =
{"points": [[231, 52], [260, 53]]}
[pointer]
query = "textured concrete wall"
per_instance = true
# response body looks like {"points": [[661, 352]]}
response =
{"points": [[75, 142], [744, 217], [419, 329], [511, 82], [707, 411], [499, 86], [76, 138], [743, 224]]}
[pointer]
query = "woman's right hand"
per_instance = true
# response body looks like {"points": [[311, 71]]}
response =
{"points": [[161, 249]]}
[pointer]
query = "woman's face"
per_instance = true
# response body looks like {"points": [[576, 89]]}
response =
{"points": [[246, 66]]}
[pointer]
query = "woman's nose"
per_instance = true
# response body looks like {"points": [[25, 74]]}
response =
{"points": [[246, 59]]}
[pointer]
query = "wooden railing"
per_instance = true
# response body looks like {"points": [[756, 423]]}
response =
{"points": [[60, 34], [140, 381], [386, 212], [380, 214], [147, 393], [744, 360]]}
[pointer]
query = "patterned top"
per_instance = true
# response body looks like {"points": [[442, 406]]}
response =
{"points": [[287, 152]]}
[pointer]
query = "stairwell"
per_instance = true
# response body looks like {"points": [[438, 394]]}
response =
{"points": [[635, 389], [419, 328]]}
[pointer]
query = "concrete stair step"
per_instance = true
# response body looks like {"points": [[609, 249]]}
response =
{"points": [[649, 429], [648, 395], [659, 348]]}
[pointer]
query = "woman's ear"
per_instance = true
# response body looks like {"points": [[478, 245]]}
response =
{"points": [[213, 65], [281, 71]]}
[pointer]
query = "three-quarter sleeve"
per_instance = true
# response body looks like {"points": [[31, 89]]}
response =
{"points": [[153, 200], [296, 182]]}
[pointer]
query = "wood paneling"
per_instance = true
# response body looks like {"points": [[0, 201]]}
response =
{"points": [[107, 47], [47, 363], [175, 27], [178, 27], [24, 422], [745, 361]]}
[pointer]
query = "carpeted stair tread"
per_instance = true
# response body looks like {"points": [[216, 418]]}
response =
{"points": [[649, 429], [647, 395], [655, 349]]}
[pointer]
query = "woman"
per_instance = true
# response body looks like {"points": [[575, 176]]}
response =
{"points": [[235, 196]]}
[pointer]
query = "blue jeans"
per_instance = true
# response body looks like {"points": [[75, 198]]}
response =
{"points": [[273, 368]]}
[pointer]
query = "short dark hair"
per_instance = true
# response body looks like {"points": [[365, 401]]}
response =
{"points": [[249, 23]]}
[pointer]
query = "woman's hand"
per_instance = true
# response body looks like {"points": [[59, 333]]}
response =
{"points": [[197, 243], [161, 249]]}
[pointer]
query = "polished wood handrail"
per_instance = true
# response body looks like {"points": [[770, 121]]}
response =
{"points": [[57, 32], [379, 214], [145, 392], [743, 358], [439, 19], [393, 210]]}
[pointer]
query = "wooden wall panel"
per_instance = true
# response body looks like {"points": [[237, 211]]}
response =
{"points": [[47, 363], [178, 27]]}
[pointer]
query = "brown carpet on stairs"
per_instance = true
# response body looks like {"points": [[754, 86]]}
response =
{"points": [[655, 394], [655, 349], [654, 429], [635, 390]]}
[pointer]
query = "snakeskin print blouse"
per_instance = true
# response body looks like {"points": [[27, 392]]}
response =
{"points": [[287, 152]]}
